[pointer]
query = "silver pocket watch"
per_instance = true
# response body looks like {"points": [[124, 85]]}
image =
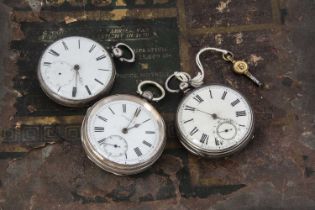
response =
{"points": [[213, 120], [124, 134], [74, 71]]}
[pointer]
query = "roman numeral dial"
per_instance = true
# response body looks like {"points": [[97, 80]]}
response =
{"points": [[75, 70], [124, 131], [214, 117]]}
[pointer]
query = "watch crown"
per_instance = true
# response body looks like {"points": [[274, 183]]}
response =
{"points": [[147, 95]]}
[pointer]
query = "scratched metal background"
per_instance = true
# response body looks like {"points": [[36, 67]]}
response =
{"points": [[42, 164]]}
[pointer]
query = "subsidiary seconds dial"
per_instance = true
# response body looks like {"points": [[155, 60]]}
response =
{"points": [[75, 70], [214, 121]]}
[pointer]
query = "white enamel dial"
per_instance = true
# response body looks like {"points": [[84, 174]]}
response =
{"points": [[75, 70], [214, 119], [125, 131]]}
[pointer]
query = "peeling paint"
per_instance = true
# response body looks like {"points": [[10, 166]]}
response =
{"points": [[239, 38], [218, 39], [223, 6]]}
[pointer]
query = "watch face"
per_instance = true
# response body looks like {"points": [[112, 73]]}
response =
{"points": [[214, 119], [75, 69], [125, 131]]}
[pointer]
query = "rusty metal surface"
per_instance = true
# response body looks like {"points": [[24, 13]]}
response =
{"points": [[42, 163]]}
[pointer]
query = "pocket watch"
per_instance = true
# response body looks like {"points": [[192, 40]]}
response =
{"points": [[124, 134], [75, 70], [213, 120]]}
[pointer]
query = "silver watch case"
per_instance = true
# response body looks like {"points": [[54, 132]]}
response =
{"points": [[110, 166], [70, 102], [213, 153]]}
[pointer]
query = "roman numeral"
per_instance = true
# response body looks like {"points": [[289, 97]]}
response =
{"points": [[189, 108], [99, 81], [138, 151], [101, 57], [103, 69], [204, 138], [137, 112], [47, 63], [217, 142], [240, 113], [92, 48], [150, 132], [147, 143], [145, 121], [65, 45], [193, 131], [79, 43], [224, 94], [210, 93], [198, 99], [235, 102], [99, 129], [101, 141], [53, 52], [88, 90], [124, 108], [112, 111], [74, 91], [188, 120], [102, 118]]}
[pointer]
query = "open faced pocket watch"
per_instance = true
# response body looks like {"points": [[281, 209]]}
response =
{"points": [[124, 134], [213, 120], [75, 70]]}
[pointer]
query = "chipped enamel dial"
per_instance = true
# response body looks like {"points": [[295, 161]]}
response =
{"points": [[75, 70], [123, 134], [214, 121]]}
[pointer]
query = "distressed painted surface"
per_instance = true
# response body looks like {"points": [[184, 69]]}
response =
{"points": [[42, 162]]}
